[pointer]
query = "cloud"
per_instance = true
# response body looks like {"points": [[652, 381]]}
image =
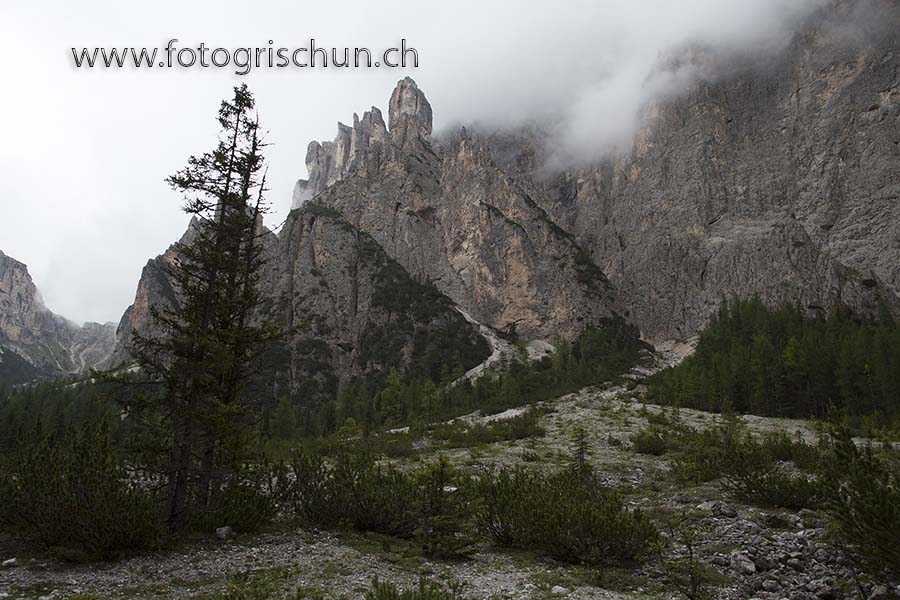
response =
{"points": [[85, 153], [589, 68]]}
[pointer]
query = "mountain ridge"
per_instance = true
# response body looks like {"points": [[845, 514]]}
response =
{"points": [[775, 179], [49, 344]]}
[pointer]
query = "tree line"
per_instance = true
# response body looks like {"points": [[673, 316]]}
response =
{"points": [[602, 352], [784, 362]]}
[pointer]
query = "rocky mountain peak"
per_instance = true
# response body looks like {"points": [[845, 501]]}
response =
{"points": [[362, 147], [20, 303], [48, 343], [449, 216], [409, 116]]}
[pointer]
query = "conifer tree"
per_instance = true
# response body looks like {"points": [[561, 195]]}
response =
{"points": [[209, 340]]}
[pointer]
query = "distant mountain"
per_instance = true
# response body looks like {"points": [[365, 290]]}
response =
{"points": [[35, 342]]}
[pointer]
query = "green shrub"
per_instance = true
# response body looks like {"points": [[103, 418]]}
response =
{"points": [[310, 494], [424, 591], [703, 456], [862, 491], [458, 434], [568, 515], [772, 485], [650, 441], [76, 496], [245, 501], [432, 506], [660, 419], [250, 587], [685, 572], [391, 445], [520, 427], [355, 493], [785, 448], [750, 469], [376, 498]]}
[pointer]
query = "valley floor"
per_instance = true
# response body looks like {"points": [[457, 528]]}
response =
{"points": [[766, 554]]}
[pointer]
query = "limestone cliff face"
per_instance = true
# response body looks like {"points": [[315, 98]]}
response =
{"points": [[451, 217], [50, 344], [779, 179]]}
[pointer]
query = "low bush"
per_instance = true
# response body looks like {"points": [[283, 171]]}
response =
{"points": [[432, 506], [686, 573], [771, 485], [457, 434], [569, 515], [250, 587], [782, 447], [246, 501], [522, 426], [76, 496], [392, 445], [750, 469], [650, 441], [755, 472], [703, 455], [425, 590], [862, 495], [354, 493], [310, 497]]}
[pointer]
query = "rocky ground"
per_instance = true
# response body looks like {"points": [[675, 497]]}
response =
{"points": [[751, 552]]}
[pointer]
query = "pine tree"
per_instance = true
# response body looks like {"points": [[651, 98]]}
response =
{"points": [[205, 355]]}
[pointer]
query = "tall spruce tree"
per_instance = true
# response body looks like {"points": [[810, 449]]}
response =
{"points": [[209, 340]]}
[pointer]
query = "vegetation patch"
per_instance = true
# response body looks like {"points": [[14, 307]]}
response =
{"points": [[568, 515], [783, 363]]}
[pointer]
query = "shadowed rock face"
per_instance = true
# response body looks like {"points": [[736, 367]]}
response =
{"points": [[350, 309], [354, 310], [49, 344]]}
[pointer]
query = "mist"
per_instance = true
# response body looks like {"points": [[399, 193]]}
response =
{"points": [[587, 72], [82, 193]]}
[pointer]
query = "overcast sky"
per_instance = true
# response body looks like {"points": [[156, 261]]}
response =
{"points": [[84, 152]]}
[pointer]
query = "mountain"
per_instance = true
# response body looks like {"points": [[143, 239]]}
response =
{"points": [[355, 311], [349, 309], [776, 176], [773, 175], [35, 342], [450, 216]]}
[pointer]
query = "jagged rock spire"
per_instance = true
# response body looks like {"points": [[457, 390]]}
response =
{"points": [[409, 116], [368, 142]]}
